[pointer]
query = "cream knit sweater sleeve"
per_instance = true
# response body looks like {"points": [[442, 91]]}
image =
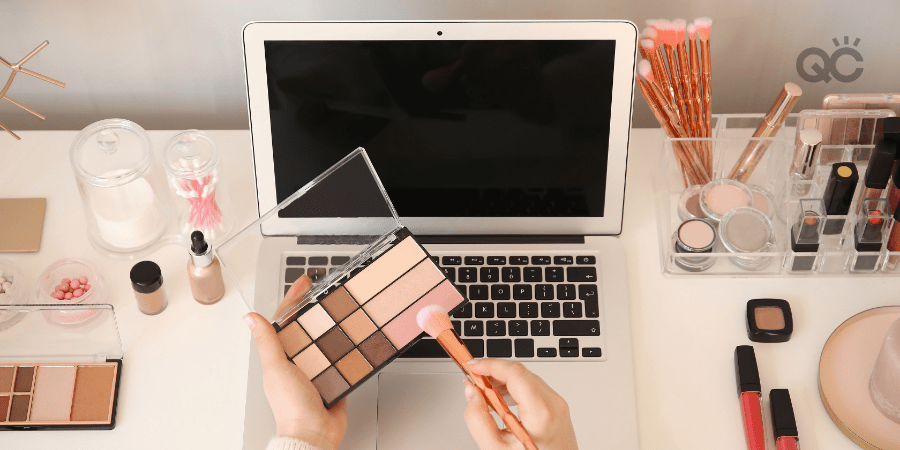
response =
{"points": [[285, 443]]}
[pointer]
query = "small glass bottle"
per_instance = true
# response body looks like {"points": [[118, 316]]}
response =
{"points": [[191, 160], [147, 281], [204, 271]]}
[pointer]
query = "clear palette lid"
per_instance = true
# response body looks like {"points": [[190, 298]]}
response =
{"points": [[346, 208], [59, 333]]}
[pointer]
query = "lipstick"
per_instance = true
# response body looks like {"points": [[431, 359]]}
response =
{"points": [[878, 172], [749, 392], [839, 195], [786, 435], [434, 320]]}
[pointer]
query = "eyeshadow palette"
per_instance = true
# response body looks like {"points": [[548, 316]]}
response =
{"points": [[59, 377], [360, 313], [78, 395], [363, 324]]}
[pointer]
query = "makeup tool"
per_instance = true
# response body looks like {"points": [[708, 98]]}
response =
{"points": [[435, 321], [746, 230], [676, 86], [839, 195], [59, 376], [21, 224], [750, 395], [784, 425], [16, 68], [71, 281], [884, 386], [769, 320], [689, 204], [191, 161], [846, 369], [862, 101], [771, 124], [147, 282], [806, 231], [806, 157], [869, 236], [360, 314], [695, 236], [720, 196], [764, 201], [204, 271], [878, 172], [112, 164]]}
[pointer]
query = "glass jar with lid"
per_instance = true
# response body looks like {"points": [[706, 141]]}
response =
{"points": [[122, 204], [191, 160]]}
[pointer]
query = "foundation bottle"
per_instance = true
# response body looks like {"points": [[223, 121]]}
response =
{"points": [[147, 281], [204, 271]]}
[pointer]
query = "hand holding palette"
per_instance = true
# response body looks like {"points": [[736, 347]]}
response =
{"points": [[59, 376], [360, 316]]}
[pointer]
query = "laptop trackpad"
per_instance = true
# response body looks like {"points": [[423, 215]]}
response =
{"points": [[422, 410]]}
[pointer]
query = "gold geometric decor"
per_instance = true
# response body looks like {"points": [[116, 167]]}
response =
{"points": [[16, 68]]}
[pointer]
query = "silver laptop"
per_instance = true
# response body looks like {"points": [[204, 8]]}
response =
{"points": [[502, 145]]}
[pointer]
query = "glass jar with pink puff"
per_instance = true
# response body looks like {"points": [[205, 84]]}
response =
{"points": [[13, 291], [90, 289]]}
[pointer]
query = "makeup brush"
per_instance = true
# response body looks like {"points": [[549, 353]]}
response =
{"points": [[668, 36], [704, 26], [684, 69], [433, 319]]}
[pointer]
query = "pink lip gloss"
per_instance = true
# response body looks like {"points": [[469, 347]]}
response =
{"points": [[749, 390]]}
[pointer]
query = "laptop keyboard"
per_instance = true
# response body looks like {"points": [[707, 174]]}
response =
{"points": [[534, 307]]}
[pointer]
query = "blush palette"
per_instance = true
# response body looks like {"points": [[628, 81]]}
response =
{"points": [[358, 327]]}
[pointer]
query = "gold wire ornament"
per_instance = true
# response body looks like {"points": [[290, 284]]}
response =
{"points": [[16, 68]]}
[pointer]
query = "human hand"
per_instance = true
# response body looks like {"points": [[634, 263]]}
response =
{"points": [[543, 413], [295, 402]]}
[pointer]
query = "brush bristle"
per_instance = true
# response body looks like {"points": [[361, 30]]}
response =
{"points": [[704, 25], [650, 33], [679, 25], [433, 319], [645, 70], [655, 23], [692, 31], [648, 44], [668, 34]]}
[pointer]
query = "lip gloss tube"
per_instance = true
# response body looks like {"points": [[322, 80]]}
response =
{"points": [[786, 435], [749, 392]]}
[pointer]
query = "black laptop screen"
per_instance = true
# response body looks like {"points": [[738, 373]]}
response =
{"points": [[453, 128]]}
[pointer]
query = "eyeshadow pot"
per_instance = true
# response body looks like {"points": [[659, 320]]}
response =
{"points": [[689, 204], [695, 236], [764, 201], [746, 230], [769, 320], [718, 197]]}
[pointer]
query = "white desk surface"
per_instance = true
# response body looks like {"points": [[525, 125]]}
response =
{"points": [[185, 370]]}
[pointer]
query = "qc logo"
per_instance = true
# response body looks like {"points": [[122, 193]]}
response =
{"points": [[825, 67]]}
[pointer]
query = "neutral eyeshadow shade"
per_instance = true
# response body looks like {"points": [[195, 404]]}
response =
{"points": [[358, 326], [53, 388], [316, 321], [334, 344], [696, 234], [18, 411], [403, 329], [353, 367], [93, 393], [339, 304], [330, 384], [4, 407], [769, 318], [746, 232], [6, 378], [377, 349], [760, 202], [293, 339], [693, 205], [24, 379], [387, 268], [311, 361], [406, 290], [724, 198]]}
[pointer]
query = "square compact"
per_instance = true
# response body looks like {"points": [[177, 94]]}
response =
{"points": [[360, 313], [769, 320], [58, 375]]}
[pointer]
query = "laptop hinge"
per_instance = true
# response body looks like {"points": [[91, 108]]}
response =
{"points": [[336, 240], [501, 239]]}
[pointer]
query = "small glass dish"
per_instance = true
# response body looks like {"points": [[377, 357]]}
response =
{"points": [[71, 268], [17, 294]]}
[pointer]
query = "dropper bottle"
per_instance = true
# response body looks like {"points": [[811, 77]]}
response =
{"points": [[204, 271]]}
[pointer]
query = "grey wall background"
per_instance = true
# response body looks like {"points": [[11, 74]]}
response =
{"points": [[178, 64]]}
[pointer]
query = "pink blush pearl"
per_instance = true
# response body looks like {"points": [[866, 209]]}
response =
{"points": [[65, 281], [63, 288], [58, 295], [77, 293], [83, 279], [74, 284], [87, 287], [68, 296]]}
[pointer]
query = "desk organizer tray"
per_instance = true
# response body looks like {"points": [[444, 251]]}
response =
{"points": [[784, 228]]}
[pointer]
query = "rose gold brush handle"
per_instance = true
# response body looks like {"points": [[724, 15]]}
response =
{"points": [[769, 127], [454, 347]]}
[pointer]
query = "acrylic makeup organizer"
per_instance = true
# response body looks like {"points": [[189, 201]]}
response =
{"points": [[732, 133]]}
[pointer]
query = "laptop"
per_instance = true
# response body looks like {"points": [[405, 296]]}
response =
{"points": [[502, 146]]}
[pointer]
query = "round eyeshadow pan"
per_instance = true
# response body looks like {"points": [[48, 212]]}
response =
{"points": [[696, 234]]}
